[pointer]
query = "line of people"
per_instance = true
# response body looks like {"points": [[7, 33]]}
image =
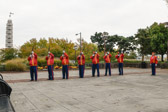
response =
{"points": [[81, 62]]}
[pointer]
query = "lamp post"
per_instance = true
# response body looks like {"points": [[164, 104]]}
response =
{"points": [[80, 39], [167, 41], [75, 47]]}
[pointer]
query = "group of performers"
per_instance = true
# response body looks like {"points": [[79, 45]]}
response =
{"points": [[81, 62]]}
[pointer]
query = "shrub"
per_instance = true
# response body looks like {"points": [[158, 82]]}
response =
{"points": [[57, 62], [15, 65], [164, 65], [42, 62]]}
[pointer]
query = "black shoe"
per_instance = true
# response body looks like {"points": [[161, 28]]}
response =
{"points": [[93, 76], [35, 80], [105, 75], [98, 76], [31, 80]]}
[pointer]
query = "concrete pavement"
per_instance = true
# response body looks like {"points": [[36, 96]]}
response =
{"points": [[136, 92]]}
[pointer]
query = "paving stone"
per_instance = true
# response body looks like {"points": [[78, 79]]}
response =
{"points": [[136, 92]]}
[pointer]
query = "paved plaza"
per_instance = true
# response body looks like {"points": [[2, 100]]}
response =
{"points": [[136, 91]]}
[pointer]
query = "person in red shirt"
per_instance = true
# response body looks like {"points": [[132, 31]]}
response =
{"points": [[95, 64], [81, 62], [50, 63], [108, 63], [120, 58], [153, 63], [33, 65], [65, 61]]}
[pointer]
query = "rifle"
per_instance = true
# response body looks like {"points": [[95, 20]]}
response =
{"points": [[49, 50], [32, 51], [33, 48]]}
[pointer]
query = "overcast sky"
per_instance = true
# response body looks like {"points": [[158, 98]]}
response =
{"points": [[65, 18]]}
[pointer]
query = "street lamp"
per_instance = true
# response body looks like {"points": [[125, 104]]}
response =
{"points": [[80, 39], [75, 47], [166, 25]]}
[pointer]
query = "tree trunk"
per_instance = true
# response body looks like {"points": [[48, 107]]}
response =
{"points": [[167, 50], [162, 58], [142, 58]]}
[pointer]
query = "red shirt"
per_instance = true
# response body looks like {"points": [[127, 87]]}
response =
{"points": [[107, 58], [50, 59], [81, 60], [153, 59], [33, 60], [65, 59], [95, 59], [120, 58]]}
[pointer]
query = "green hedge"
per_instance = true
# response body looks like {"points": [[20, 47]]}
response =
{"points": [[43, 62]]}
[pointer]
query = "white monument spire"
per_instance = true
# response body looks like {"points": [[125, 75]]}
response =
{"points": [[9, 32]]}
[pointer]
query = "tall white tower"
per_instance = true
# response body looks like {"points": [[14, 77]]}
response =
{"points": [[9, 33]]}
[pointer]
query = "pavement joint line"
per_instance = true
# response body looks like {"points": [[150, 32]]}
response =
{"points": [[72, 77], [54, 100], [31, 102]]}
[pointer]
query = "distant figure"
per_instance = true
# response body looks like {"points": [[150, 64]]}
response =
{"points": [[81, 62], [50, 63], [120, 58], [153, 63], [33, 65], [95, 64], [108, 63], [65, 61]]}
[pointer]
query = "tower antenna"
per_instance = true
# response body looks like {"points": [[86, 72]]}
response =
{"points": [[10, 14]]}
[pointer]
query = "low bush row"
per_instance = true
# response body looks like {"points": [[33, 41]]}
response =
{"points": [[23, 64]]}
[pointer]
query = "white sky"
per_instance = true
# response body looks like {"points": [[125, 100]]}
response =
{"points": [[65, 18]]}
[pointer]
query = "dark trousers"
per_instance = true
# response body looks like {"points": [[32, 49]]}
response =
{"points": [[94, 67], [81, 71], [65, 71], [84, 70], [33, 70], [50, 72], [153, 69], [108, 66], [120, 68]]}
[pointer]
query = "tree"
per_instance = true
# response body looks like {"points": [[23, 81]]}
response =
{"points": [[159, 38], [8, 54], [26, 48], [143, 40], [97, 38], [132, 55], [111, 42], [122, 42], [127, 43]]}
